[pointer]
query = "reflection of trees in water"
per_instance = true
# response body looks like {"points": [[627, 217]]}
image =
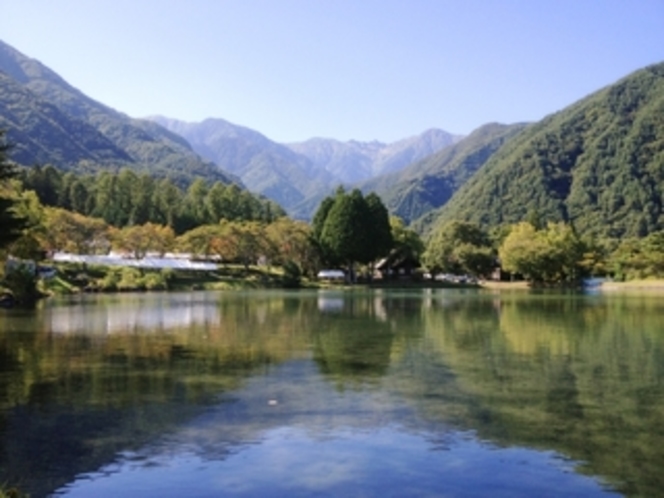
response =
{"points": [[360, 340], [76, 397], [71, 400], [350, 353], [583, 376]]}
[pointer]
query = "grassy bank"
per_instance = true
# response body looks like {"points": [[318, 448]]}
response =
{"points": [[76, 277], [647, 284]]}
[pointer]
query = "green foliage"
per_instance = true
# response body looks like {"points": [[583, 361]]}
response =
{"points": [[407, 242], [292, 274], [552, 255], [11, 222], [130, 279], [110, 280], [459, 248], [126, 198], [350, 228], [22, 282], [639, 258], [597, 164], [133, 279]]}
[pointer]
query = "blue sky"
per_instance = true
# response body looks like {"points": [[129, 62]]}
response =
{"points": [[344, 69]]}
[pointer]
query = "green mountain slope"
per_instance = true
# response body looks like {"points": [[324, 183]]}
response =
{"points": [[428, 184], [598, 164], [52, 122], [42, 133]]}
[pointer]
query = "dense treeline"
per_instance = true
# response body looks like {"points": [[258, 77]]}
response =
{"points": [[48, 210], [550, 253], [127, 198]]}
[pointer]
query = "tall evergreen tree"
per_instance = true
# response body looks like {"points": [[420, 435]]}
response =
{"points": [[350, 228], [380, 230], [11, 223]]}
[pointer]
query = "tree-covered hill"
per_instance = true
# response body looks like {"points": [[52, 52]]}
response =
{"points": [[50, 121], [598, 164], [429, 183], [41, 133]]}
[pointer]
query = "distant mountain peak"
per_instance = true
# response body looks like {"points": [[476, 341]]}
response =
{"points": [[354, 161]]}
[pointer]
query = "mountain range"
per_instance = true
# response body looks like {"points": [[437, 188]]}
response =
{"points": [[598, 164], [298, 175], [51, 122]]}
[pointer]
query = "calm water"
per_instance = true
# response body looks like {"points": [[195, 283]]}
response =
{"points": [[424, 393]]}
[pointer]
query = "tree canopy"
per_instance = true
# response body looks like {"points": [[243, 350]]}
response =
{"points": [[552, 255], [127, 198], [460, 248], [351, 228]]}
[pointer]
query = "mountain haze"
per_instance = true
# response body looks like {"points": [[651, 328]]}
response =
{"points": [[298, 176], [266, 167], [598, 164], [355, 161]]}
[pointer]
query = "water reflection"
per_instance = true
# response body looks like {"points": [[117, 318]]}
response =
{"points": [[426, 393], [315, 441], [155, 312]]}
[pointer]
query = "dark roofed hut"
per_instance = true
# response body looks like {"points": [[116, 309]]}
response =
{"points": [[397, 265]]}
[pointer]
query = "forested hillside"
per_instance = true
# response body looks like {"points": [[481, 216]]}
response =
{"points": [[49, 121], [428, 184], [598, 164]]}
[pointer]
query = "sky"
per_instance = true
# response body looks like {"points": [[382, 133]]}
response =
{"points": [[343, 69]]}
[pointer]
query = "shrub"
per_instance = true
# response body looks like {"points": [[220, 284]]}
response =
{"points": [[130, 279], [110, 281], [22, 282], [292, 274], [155, 281]]}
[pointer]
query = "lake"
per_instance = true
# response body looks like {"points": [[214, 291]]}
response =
{"points": [[455, 393]]}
